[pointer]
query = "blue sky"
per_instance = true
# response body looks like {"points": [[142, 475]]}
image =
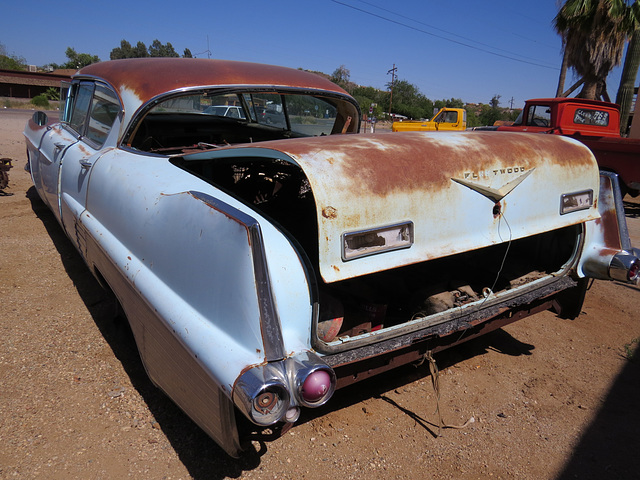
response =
{"points": [[468, 49]]}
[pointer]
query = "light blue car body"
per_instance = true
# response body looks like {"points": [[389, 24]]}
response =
{"points": [[226, 304]]}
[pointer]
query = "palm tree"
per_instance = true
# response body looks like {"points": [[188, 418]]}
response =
{"points": [[594, 33], [628, 80], [629, 73]]}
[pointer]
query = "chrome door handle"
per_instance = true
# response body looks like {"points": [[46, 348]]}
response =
{"points": [[85, 164]]}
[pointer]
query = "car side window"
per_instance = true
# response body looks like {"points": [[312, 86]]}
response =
{"points": [[104, 110], [451, 117], [539, 115], [63, 105], [80, 102], [267, 109], [90, 111]]}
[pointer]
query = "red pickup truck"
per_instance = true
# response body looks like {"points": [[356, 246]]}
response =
{"points": [[594, 123]]}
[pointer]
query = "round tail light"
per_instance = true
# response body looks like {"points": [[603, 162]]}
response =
{"points": [[317, 387], [269, 405]]}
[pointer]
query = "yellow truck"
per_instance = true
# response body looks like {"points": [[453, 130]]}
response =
{"points": [[446, 119]]}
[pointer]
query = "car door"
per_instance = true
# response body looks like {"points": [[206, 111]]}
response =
{"points": [[448, 120], [80, 156], [46, 170], [56, 143]]}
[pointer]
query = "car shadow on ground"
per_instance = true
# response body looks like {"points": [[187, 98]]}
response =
{"points": [[609, 447], [632, 208], [499, 341]]}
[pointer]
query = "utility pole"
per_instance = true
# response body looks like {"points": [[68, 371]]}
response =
{"points": [[207, 51], [393, 81]]}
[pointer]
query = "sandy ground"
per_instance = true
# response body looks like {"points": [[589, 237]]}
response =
{"points": [[551, 398]]}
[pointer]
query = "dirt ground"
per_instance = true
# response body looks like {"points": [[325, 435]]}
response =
{"points": [[550, 398]]}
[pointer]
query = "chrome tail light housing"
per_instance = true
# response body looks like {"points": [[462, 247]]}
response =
{"points": [[625, 266], [275, 391]]}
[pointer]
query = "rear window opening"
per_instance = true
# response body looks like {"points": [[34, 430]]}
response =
{"points": [[210, 120]]}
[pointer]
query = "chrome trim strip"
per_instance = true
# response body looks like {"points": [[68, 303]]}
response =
{"points": [[270, 327], [625, 240], [269, 320]]}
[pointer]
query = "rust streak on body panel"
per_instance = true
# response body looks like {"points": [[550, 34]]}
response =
{"points": [[608, 223], [414, 160], [412, 176]]}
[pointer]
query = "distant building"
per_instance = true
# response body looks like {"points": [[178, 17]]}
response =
{"points": [[25, 84]]}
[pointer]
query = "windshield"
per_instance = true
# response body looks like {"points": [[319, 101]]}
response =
{"points": [[519, 119]]}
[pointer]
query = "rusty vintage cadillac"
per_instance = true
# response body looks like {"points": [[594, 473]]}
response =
{"points": [[267, 257]]}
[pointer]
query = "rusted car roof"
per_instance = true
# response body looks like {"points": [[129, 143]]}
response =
{"points": [[149, 77]]}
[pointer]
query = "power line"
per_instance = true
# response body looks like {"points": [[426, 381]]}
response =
{"points": [[474, 47], [451, 33]]}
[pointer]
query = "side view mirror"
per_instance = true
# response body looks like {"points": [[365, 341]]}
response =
{"points": [[40, 118]]}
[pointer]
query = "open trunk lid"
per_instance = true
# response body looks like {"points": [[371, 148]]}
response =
{"points": [[454, 192]]}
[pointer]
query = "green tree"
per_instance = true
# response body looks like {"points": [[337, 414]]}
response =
{"points": [[53, 93], [409, 101], [125, 50], [140, 51], [11, 62], [594, 33], [157, 49], [489, 115], [366, 96], [450, 103], [78, 60], [624, 98], [513, 115], [472, 117], [342, 76], [454, 103]]}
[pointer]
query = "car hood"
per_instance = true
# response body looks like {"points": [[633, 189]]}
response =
{"points": [[459, 191]]}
